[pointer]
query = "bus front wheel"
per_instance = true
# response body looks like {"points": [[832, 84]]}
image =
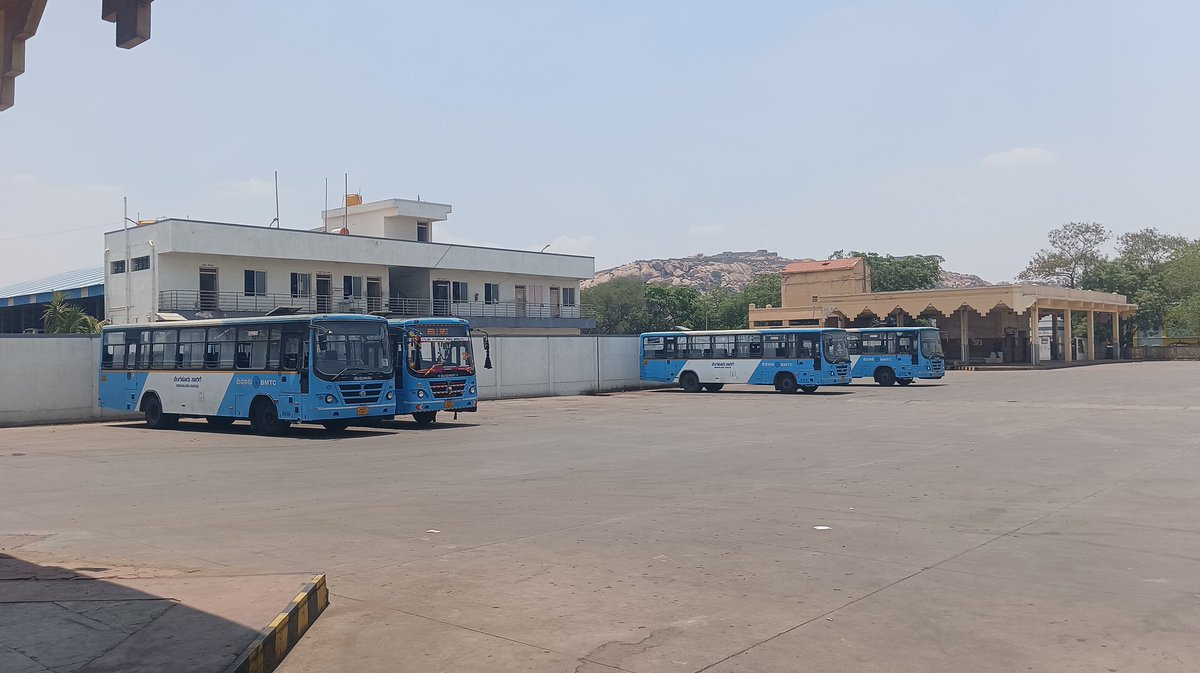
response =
{"points": [[155, 418], [904, 382], [264, 418], [690, 382], [808, 389], [424, 417], [884, 376], [786, 383]]}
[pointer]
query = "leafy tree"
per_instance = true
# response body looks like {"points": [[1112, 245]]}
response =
{"points": [[671, 306], [62, 317], [896, 274], [1074, 250], [1150, 247], [764, 290], [1181, 278], [619, 306]]}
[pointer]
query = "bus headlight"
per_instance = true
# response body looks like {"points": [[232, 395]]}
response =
{"points": [[472, 390], [420, 393], [390, 395], [329, 399]]}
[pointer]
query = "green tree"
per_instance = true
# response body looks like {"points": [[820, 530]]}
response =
{"points": [[61, 317], [1181, 280], [896, 274], [1149, 247], [618, 306], [1074, 250], [671, 306]]}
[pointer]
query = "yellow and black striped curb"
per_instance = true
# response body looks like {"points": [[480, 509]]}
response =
{"points": [[274, 642], [962, 368]]}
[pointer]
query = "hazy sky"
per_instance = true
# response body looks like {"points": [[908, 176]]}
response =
{"points": [[620, 129]]}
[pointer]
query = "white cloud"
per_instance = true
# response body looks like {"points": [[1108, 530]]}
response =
{"points": [[573, 245], [1020, 156]]}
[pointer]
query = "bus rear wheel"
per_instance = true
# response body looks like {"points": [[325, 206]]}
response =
{"points": [[786, 383], [808, 389], [714, 387], [424, 417], [689, 382], [155, 418], [904, 382], [884, 376], [264, 418]]}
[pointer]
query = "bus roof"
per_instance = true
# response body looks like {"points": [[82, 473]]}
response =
{"points": [[257, 320], [429, 321], [768, 330], [890, 329]]}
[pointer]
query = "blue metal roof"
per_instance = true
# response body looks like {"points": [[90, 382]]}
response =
{"points": [[87, 282]]}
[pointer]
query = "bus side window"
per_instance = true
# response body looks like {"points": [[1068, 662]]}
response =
{"points": [[854, 344], [807, 348], [904, 344], [191, 349], [131, 355], [114, 343], [164, 342], [291, 353]]}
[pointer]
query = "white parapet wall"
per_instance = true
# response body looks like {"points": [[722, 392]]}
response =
{"points": [[53, 379]]}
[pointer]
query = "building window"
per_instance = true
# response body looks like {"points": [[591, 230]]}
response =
{"points": [[352, 286], [423, 231], [256, 283], [568, 296], [491, 293], [140, 263], [301, 285], [117, 266], [458, 291]]}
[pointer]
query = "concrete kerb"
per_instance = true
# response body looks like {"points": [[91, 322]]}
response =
{"points": [[274, 642]]}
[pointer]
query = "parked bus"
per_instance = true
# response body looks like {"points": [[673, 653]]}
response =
{"points": [[435, 367], [274, 371], [891, 355], [789, 359]]}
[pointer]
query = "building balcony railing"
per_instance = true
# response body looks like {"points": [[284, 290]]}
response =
{"points": [[240, 302]]}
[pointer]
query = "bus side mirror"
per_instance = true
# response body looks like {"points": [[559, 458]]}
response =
{"points": [[487, 353]]}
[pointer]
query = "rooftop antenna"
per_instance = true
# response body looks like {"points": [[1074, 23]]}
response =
{"points": [[346, 203], [324, 217], [275, 221]]}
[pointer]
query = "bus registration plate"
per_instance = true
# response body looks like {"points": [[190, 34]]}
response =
{"points": [[362, 411], [448, 405]]}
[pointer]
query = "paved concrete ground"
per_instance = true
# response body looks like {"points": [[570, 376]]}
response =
{"points": [[1003, 521]]}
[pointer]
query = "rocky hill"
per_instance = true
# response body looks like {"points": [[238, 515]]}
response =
{"points": [[729, 269]]}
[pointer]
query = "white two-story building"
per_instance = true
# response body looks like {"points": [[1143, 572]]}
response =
{"points": [[369, 257]]}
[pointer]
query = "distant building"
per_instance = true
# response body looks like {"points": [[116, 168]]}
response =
{"points": [[994, 324], [369, 257], [23, 304]]}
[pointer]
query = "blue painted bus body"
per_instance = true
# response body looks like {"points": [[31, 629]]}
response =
{"points": [[435, 367], [897, 354], [222, 369], [785, 358]]}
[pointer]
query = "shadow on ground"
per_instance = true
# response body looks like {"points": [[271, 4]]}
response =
{"points": [[60, 620]]}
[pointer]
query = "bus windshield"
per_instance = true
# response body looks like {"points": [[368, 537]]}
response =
{"points": [[348, 350], [931, 345], [440, 356], [837, 348]]}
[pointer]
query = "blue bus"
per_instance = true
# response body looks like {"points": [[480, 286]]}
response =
{"points": [[273, 371], [893, 355], [435, 367], [789, 359]]}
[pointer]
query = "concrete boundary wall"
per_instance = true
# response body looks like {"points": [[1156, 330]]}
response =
{"points": [[52, 378]]}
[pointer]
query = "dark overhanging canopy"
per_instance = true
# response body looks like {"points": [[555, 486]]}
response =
{"points": [[19, 21]]}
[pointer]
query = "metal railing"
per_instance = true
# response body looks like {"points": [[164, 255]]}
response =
{"points": [[240, 302]]}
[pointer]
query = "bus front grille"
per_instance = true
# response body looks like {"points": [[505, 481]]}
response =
{"points": [[361, 393], [447, 388]]}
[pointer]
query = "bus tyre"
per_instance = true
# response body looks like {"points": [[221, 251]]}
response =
{"points": [[155, 418], [219, 421], [264, 418], [808, 389], [424, 417], [714, 387], [689, 382], [884, 376], [786, 384], [904, 382], [336, 426]]}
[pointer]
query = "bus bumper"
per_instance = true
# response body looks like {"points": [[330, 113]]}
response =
{"points": [[349, 412], [461, 404]]}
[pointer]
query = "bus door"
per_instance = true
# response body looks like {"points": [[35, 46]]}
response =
{"points": [[293, 360], [810, 347], [907, 344]]}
